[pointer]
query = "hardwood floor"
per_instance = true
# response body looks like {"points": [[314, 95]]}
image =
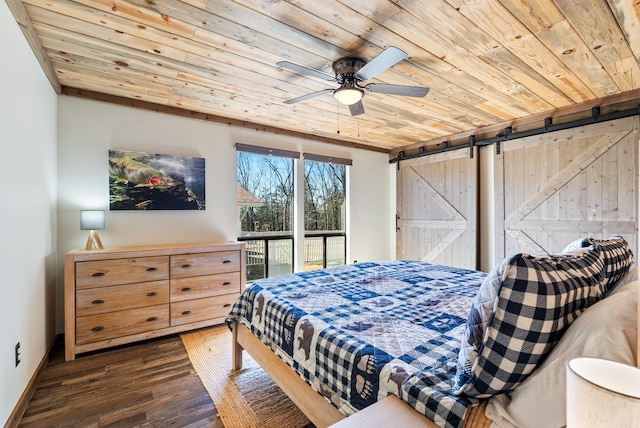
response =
{"points": [[149, 384]]}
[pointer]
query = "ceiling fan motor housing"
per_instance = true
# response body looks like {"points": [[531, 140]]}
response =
{"points": [[346, 69]]}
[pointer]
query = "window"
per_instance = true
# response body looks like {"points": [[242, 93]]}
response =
{"points": [[267, 201], [265, 209], [324, 212]]}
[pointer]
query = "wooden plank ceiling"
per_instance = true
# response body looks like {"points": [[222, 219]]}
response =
{"points": [[486, 62]]}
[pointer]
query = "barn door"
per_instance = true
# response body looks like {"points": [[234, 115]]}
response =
{"points": [[437, 200], [554, 188]]}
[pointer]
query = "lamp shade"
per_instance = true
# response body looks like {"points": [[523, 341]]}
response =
{"points": [[602, 393], [91, 220]]}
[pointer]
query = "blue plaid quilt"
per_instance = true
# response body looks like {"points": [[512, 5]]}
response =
{"points": [[360, 332]]}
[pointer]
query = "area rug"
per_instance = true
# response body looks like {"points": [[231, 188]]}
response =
{"points": [[244, 399]]}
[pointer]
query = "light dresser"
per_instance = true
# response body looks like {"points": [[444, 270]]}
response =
{"points": [[121, 295]]}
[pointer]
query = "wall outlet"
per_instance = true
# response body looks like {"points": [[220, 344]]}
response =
{"points": [[17, 354]]}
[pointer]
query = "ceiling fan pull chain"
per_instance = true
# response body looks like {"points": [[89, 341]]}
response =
{"points": [[338, 117]]}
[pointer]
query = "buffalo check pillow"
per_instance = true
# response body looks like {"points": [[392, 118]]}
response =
{"points": [[617, 255], [519, 313]]}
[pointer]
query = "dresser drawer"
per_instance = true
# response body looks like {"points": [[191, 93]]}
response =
{"points": [[110, 325], [190, 311], [101, 273], [204, 286], [122, 295], [187, 265], [92, 301]]}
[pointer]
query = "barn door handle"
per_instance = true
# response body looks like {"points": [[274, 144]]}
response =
{"points": [[397, 223]]}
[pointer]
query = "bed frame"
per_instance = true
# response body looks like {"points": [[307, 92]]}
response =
{"points": [[313, 405], [388, 412]]}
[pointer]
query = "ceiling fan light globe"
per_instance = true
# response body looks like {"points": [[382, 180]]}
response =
{"points": [[348, 96]]}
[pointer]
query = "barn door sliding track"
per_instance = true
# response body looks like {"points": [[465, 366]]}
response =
{"points": [[508, 134]]}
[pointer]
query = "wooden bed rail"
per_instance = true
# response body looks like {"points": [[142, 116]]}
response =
{"points": [[311, 403], [389, 412]]}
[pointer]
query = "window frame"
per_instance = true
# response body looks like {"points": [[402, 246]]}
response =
{"points": [[328, 234], [299, 234]]}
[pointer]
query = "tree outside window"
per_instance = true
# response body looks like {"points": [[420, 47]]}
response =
{"points": [[265, 213], [265, 195], [324, 214]]}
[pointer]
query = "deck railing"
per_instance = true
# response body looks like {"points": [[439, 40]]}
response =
{"points": [[271, 253], [268, 254]]}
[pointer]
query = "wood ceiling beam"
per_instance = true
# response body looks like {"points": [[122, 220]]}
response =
{"points": [[623, 101], [26, 25], [145, 105]]}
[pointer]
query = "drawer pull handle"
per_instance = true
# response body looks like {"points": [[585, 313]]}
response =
{"points": [[150, 319], [152, 293], [186, 288], [226, 305], [97, 328], [152, 269], [97, 302], [226, 283], [186, 312], [97, 274], [226, 261], [185, 266]]}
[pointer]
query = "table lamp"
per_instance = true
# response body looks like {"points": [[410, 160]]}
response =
{"points": [[602, 393], [92, 221]]}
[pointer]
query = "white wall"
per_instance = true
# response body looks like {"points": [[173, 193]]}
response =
{"points": [[27, 212], [393, 197], [486, 208], [88, 129]]}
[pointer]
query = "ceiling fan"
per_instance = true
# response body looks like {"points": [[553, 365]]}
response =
{"points": [[350, 72]]}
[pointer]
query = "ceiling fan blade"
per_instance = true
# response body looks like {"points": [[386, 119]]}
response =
{"points": [[306, 71], [407, 91], [387, 58], [357, 108], [306, 97]]}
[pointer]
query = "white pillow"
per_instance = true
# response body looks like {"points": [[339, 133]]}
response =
{"points": [[574, 246], [608, 329]]}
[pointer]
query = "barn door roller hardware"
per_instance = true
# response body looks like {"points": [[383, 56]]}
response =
{"points": [[508, 134], [507, 131]]}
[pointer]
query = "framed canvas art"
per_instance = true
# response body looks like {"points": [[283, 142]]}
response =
{"points": [[150, 181]]}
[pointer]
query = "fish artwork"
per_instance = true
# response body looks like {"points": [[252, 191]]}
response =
{"points": [[151, 181], [139, 174]]}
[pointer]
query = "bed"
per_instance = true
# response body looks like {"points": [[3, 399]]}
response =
{"points": [[378, 339]]}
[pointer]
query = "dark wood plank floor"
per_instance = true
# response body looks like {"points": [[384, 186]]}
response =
{"points": [[150, 384]]}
